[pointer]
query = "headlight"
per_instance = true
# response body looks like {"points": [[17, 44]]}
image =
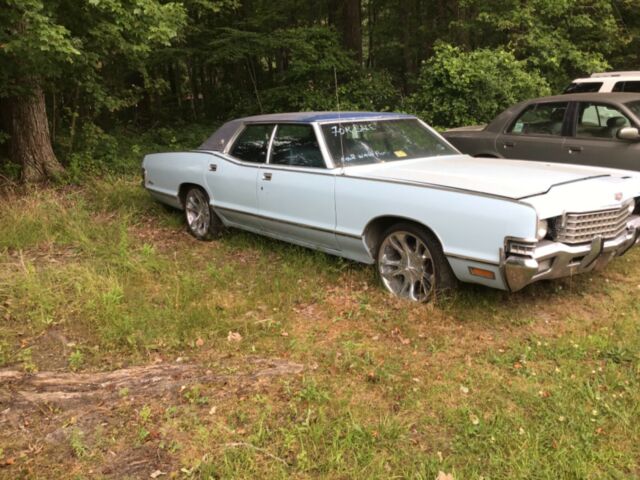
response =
{"points": [[542, 229], [632, 206]]}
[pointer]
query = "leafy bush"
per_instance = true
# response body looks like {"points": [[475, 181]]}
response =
{"points": [[121, 151], [460, 88]]}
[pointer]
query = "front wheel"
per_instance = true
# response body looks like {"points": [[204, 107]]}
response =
{"points": [[202, 221], [411, 263]]}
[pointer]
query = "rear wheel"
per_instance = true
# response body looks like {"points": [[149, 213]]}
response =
{"points": [[202, 221], [411, 263]]}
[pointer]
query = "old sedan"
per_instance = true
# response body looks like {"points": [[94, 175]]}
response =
{"points": [[588, 129], [387, 189]]}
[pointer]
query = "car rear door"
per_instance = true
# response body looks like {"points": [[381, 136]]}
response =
{"points": [[594, 140], [296, 191], [537, 133], [233, 183]]}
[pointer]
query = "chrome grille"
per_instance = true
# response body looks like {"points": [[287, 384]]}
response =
{"points": [[584, 227]]}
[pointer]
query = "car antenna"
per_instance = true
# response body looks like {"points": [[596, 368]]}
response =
{"points": [[335, 77]]}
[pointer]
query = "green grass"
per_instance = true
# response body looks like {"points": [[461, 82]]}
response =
{"points": [[483, 384]]}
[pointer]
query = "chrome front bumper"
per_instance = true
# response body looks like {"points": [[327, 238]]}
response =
{"points": [[555, 260]]}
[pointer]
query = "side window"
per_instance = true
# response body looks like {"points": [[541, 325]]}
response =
{"points": [[600, 121], [632, 86], [540, 119], [296, 145], [253, 143], [583, 87]]}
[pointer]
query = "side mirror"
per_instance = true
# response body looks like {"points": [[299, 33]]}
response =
{"points": [[628, 133]]}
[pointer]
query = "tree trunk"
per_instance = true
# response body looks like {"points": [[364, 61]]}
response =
{"points": [[352, 28], [30, 138]]}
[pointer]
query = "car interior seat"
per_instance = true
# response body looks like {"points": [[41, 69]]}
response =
{"points": [[614, 124], [557, 119]]}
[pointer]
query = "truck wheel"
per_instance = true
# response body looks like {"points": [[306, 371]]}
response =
{"points": [[202, 221], [411, 263]]}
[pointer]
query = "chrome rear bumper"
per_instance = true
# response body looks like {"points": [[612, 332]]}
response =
{"points": [[555, 260]]}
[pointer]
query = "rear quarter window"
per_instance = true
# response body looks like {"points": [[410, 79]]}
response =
{"points": [[627, 86], [583, 87]]}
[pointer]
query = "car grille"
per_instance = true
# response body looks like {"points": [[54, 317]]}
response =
{"points": [[584, 227]]}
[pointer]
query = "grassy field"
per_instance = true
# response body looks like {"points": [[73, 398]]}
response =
{"points": [[483, 384]]}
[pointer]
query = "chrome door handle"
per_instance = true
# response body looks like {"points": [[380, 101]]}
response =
{"points": [[266, 176], [575, 149]]}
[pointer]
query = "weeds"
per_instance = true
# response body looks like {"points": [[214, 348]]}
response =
{"points": [[538, 384]]}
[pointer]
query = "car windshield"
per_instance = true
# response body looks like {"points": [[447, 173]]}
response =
{"points": [[635, 108], [377, 141]]}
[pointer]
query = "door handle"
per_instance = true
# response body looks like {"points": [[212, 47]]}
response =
{"points": [[575, 149], [266, 176], [509, 144], [213, 167]]}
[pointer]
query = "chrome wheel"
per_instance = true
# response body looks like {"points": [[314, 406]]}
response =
{"points": [[406, 266], [197, 212]]}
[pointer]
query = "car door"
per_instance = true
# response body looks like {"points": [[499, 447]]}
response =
{"points": [[233, 183], [537, 133], [296, 192], [594, 138]]}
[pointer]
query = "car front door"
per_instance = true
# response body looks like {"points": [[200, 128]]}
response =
{"points": [[594, 141], [233, 182], [296, 191], [537, 133]]}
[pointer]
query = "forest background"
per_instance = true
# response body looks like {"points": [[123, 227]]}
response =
{"points": [[89, 86]]}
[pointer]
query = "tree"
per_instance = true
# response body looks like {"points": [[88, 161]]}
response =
{"points": [[41, 42], [560, 39], [458, 88]]}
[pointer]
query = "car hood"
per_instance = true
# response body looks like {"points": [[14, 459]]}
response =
{"points": [[513, 179]]}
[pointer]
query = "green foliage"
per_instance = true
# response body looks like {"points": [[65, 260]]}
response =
{"points": [[32, 44], [561, 39], [109, 67], [76, 360], [460, 88]]}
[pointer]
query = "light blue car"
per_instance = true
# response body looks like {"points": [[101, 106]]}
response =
{"points": [[385, 188]]}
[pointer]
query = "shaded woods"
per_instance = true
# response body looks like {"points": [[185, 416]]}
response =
{"points": [[77, 78]]}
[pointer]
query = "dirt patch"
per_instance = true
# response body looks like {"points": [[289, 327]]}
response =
{"points": [[22, 393], [57, 414]]}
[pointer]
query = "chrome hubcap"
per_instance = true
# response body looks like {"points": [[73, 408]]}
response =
{"points": [[197, 209], [406, 266]]}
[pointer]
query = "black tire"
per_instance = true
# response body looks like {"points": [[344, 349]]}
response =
{"points": [[202, 222], [397, 271]]}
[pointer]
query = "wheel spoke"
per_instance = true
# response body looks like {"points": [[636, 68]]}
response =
{"points": [[395, 243], [405, 245], [392, 273], [406, 286], [390, 262]]}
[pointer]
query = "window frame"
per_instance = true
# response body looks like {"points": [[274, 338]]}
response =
{"points": [[564, 132], [234, 142], [321, 149], [620, 108]]}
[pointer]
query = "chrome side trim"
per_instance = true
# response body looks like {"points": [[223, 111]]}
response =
{"points": [[270, 166], [591, 177], [336, 172], [471, 259], [286, 222], [441, 187]]}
